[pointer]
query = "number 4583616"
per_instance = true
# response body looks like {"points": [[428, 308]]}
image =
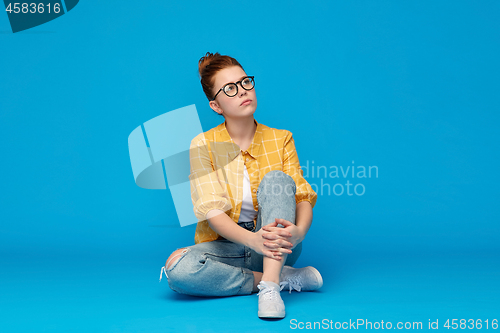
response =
{"points": [[33, 8], [471, 324]]}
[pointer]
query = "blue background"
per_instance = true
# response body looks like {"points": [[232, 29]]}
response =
{"points": [[409, 87]]}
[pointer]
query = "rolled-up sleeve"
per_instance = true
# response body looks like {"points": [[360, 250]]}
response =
{"points": [[207, 191], [291, 167]]}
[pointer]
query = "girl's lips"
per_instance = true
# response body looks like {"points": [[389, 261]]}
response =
{"points": [[248, 101]]}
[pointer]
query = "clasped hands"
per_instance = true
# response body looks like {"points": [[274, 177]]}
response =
{"points": [[272, 241]]}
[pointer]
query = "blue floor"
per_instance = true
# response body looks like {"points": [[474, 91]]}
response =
{"points": [[54, 294]]}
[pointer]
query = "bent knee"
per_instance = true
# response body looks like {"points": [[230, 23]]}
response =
{"points": [[277, 182], [277, 177], [174, 257]]}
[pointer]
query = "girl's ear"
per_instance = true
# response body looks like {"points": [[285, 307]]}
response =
{"points": [[215, 107]]}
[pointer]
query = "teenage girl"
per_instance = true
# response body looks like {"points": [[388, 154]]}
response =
{"points": [[253, 205]]}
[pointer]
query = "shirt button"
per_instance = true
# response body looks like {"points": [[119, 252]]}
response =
{"points": [[247, 159], [254, 190]]}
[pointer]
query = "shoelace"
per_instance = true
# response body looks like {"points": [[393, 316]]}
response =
{"points": [[269, 293], [163, 270], [293, 282]]}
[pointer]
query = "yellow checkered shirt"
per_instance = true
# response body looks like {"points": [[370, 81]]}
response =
{"points": [[217, 171]]}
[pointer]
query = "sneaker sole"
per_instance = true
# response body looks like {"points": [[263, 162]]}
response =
{"points": [[318, 275], [273, 314]]}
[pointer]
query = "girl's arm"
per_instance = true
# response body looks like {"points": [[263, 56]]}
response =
{"points": [[303, 217], [262, 242], [298, 231]]}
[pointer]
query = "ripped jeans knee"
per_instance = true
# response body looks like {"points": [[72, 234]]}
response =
{"points": [[173, 260]]}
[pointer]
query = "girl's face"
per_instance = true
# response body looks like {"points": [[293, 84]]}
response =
{"points": [[240, 106]]}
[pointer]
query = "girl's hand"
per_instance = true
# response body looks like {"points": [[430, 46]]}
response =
{"points": [[271, 243], [297, 235]]}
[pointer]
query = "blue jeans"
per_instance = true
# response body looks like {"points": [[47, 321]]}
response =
{"points": [[224, 268]]}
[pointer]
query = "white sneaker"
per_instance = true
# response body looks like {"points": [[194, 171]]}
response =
{"points": [[301, 279], [270, 303]]}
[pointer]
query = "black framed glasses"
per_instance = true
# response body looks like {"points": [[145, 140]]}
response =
{"points": [[231, 89]]}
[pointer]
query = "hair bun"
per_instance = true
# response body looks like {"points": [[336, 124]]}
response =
{"points": [[209, 65], [205, 61]]}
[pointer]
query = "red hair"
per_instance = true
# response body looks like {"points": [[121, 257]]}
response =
{"points": [[209, 65]]}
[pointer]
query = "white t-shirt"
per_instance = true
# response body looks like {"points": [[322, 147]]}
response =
{"points": [[248, 213]]}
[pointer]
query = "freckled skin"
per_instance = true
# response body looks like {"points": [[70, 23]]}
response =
{"points": [[231, 107]]}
